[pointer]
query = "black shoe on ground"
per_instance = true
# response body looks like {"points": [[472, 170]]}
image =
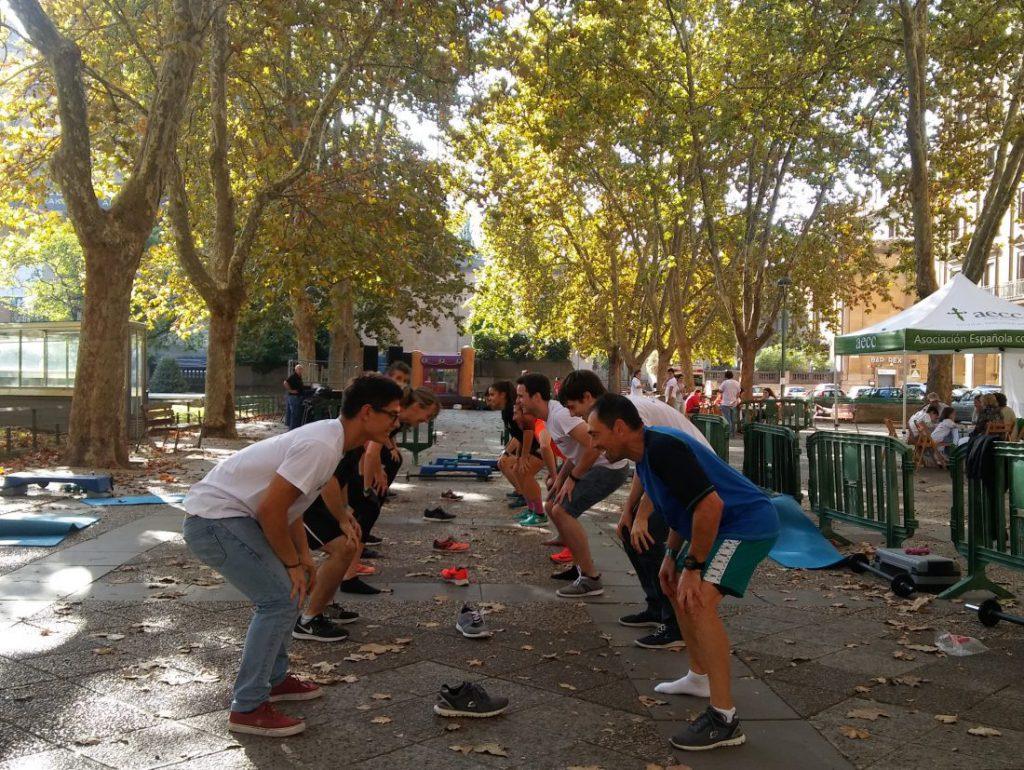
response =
{"points": [[358, 586], [468, 700], [570, 574], [339, 614], [437, 514], [709, 731], [664, 638], [369, 553], [645, 619], [319, 629], [372, 540]]}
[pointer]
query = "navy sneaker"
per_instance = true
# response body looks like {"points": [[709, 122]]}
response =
{"points": [[709, 731], [468, 700]]}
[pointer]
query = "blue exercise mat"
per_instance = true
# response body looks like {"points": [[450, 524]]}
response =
{"points": [[137, 500], [800, 545], [40, 531]]}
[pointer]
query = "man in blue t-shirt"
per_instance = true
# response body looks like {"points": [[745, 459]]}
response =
{"points": [[722, 527]]}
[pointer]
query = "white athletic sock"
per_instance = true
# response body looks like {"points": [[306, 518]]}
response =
{"points": [[727, 714], [304, 618], [691, 684]]}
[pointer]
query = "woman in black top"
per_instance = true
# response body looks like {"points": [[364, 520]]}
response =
{"points": [[521, 459]]}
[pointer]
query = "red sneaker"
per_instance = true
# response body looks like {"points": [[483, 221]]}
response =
{"points": [[457, 575], [365, 569], [265, 720], [450, 544], [563, 557], [293, 688]]}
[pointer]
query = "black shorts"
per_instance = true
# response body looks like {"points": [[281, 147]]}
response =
{"points": [[320, 525]]}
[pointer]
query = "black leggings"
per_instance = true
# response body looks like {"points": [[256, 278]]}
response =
{"points": [[366, 507]]}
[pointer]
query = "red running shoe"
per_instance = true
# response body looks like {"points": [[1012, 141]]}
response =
{"points": [[265, 720], [365, 569], [293, 688], [457, 575], [563, 557], [450, 544]]}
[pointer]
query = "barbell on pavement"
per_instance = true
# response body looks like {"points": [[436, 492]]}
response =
{"points": [[990, 612], [902, 584]]}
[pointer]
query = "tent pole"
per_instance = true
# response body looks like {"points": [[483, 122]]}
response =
{"points": [[835, 396], [905, 389]]}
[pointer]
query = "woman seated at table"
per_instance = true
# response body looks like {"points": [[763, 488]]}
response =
{"points": [[946, 434], [989, 415]]}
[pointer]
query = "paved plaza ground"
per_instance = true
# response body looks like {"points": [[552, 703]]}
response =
{"points": [[118, 649]]}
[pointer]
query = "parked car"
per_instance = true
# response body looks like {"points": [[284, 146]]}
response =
{"points": [[964, 405], [914, 395], [796, 391], [856, 390], [915, 391], [958, 391]]}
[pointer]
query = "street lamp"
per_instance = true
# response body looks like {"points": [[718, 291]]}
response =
{"points": [[783, 283]]}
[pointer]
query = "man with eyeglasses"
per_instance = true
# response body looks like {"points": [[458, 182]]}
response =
{"points": [[245, 521]]}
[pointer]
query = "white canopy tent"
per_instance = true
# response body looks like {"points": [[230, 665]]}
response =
{"points": [[959, 317]]}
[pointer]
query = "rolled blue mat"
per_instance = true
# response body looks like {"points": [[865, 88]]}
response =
{"points": [[137, 500], [800, 544], [40, 531]]}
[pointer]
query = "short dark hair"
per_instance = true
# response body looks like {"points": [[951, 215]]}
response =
{"points": [[535, 382], [1001, 398], [579, 382], [947, 412], [728, 375], [611, 407], [400, 366], [932, 409], [373, 390]]}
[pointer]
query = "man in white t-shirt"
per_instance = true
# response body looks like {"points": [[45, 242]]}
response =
{"points": [[245, 521], [586, 478], [671, 391], [922, 421], [642, 530], [730, 390]]}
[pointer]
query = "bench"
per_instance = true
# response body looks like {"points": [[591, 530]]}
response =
{"points": [[438, 470], [95, 485], [163, 419]]}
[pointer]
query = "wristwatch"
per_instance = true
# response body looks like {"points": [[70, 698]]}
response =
{"points": [[691, 563]]}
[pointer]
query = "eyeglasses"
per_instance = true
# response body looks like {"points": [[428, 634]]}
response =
{"points": [[394, 415]]}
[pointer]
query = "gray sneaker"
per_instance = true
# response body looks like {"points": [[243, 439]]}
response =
{"points": [[580, 587], [471, 624], [468, 700], [709, 731]]}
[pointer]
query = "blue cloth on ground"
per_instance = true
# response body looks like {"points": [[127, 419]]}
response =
{"points": [[800, 544], [40, 531], [137, 500]]}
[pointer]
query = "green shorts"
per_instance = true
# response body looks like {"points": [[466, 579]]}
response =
{"points": [[731, 563]]}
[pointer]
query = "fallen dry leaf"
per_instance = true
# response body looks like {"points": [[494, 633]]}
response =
{"points": [[922, 647], [901, 655], [566, 686], [909, 680], [87, 740], [452, 726], [380, 720], [380, 649], [870, 714], [861, 689], [854, 732], [947, 719], [984, 732], [381, 696], [104, 651], [324, 666], [474, 662], [494, 749], [648, 701], [526, 647]]}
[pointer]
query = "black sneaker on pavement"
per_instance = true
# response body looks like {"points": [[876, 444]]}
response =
{"points": [[709, 731], [468, 700], [339, 614], [569, 574], [437, 514], [664, 638], [645, 619], [319, 629], [470, 623], [369, 553], [372, 540], [358, 586]]}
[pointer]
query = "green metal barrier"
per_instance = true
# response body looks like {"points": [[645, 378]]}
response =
{"points": [[771, 458], [993, 530], [716, 430], [864, 480], [795, 413], [413, 443]]}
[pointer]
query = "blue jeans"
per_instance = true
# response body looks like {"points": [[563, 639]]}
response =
{"points": [[729, 413], [293, 411], [237, 549]]}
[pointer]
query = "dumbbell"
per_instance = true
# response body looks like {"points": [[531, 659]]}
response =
{"points": [[902, 584], [990, 612]]}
